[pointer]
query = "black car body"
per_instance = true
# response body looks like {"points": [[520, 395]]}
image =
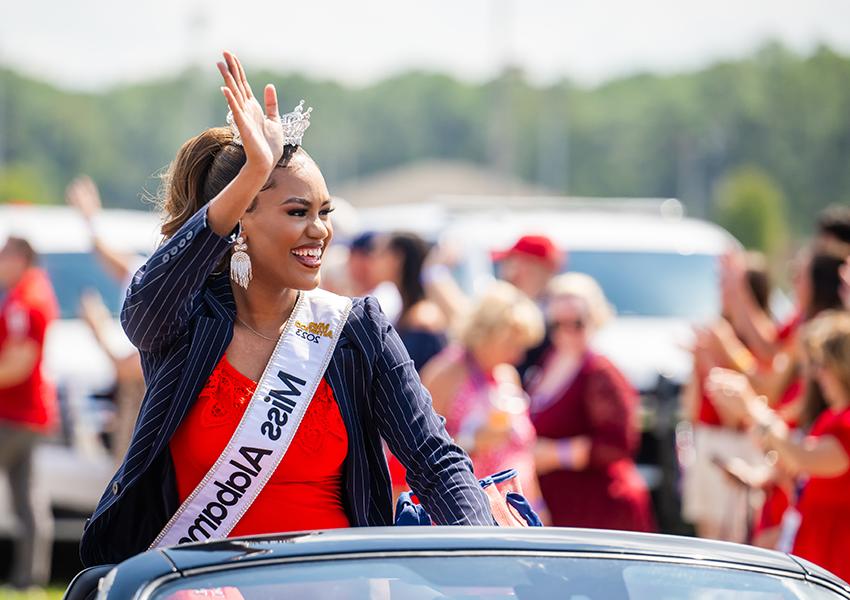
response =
{"points": [[451, 562]]}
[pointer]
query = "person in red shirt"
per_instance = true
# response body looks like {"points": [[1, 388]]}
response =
{"points": [[27, 401], [821, 461]]}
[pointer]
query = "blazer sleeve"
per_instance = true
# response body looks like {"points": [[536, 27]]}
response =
{"points": [[438, 471], [160, 296]]}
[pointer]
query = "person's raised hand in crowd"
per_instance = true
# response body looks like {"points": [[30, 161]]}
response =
{"points": [[83, 195], [733, 273], [704, 346], [440, 285], [731, 392]]}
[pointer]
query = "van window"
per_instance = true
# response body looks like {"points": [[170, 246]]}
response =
{"points": [[73, 273], [654, 284]]}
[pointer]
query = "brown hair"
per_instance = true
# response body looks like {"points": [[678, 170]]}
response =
{"points": [[827, 340], [825, 282], [22, 248], [758, 279], [204, 165]]}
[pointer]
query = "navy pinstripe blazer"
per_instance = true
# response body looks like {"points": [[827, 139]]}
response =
{"points": [[180, 314]]}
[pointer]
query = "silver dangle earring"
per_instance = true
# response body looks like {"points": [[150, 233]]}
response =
{"points": [[240, 263]]}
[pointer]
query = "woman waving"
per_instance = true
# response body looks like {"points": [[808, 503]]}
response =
{"points": [[267, 398]]}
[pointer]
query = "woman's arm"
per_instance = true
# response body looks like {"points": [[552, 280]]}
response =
{"points": [[439, 472], [822, 456], [160, 296], [83, 195], [756, 327]]}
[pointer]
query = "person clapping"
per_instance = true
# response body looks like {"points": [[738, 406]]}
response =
{"points": [[821, 460]]}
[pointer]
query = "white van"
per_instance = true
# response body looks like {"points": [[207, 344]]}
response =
{"points": [[75, 466], [657, 267]]}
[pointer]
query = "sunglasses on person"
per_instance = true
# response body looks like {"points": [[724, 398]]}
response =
{"points": [[568, 324]]}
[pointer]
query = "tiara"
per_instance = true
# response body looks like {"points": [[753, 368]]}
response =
{"points": [[294, 124]]}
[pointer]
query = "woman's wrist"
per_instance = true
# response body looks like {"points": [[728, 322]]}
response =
{"points": [[565, 451], [755, 411], [227, 208], [254, 170], [767, 424]]}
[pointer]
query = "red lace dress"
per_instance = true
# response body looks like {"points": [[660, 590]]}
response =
{"points": [[304, 492]]}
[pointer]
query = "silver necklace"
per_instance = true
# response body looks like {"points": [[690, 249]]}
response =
{"points": [[265, 337], [255, 332]]}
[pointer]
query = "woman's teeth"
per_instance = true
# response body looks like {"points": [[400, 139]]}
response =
{"points": [[311, 252], [310, 257]]}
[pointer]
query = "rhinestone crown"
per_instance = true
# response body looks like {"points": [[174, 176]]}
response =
{"points": [[294, 124]]}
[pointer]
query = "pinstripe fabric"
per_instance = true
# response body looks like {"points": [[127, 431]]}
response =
{"points": [[180, 315]]}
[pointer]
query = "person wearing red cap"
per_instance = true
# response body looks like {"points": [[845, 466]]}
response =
{"points": [[530, 264]]}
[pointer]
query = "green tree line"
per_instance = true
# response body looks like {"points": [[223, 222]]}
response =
{"points": [[783, 116]]}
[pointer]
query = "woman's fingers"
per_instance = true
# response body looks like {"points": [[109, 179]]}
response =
{"points": [[238, 115], [244, 79], [230, 82], [233, 67], [270, 97]]}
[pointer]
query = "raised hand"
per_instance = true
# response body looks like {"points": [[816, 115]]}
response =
{"points": [[82, 194], [259, 128], [732, 394]]}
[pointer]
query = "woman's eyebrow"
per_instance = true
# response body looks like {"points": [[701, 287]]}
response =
{"points": [[297, 200]]}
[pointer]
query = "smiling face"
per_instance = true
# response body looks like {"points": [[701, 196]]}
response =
{"points": [[288, 228]]}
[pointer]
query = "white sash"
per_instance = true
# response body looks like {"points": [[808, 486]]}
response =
{"points": [[272, 417]]}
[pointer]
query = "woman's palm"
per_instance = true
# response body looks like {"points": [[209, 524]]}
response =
{"points": [[259, 129], [263, 134]]}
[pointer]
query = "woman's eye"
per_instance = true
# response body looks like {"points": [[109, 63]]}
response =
{"points": [[297, 213], [327, 211]]}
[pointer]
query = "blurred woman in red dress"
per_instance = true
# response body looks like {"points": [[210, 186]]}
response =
{"points": [[584, 412], [821, 461]]}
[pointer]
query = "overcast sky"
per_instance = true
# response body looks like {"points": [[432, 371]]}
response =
{"points": [[93, 43]]}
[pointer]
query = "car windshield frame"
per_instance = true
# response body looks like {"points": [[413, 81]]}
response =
{"points": [[154, 590]]}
